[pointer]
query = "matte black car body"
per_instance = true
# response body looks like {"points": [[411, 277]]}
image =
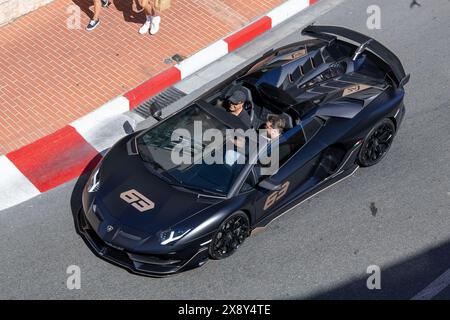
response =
{"points": [[338, 90]]}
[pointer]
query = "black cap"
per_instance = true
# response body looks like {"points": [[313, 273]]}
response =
{"points": [[238, 96]]}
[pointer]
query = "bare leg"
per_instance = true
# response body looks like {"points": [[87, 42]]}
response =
{"points": [[153, 18], [156, 18], [94, 22], [97, 9], [153, 8], [144, 5], [149, 7]]}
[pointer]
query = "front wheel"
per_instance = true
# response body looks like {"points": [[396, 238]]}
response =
{"points": [[231, 234], [377, 143]]}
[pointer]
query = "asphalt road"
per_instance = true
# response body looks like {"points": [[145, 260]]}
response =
{"points": [[395, 215]]}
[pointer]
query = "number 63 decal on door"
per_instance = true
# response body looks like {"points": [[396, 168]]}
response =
{"points": [[277, 195]]}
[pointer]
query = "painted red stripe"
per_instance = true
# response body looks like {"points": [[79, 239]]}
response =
{"points": [[248, 33], [54, 159], [153, 86], [311, 2]]}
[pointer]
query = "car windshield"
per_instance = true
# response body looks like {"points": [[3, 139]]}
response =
{"points": [[158, 145]]}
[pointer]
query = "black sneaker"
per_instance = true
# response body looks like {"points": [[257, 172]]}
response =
{"points": [[92, 24], [105, 3]]}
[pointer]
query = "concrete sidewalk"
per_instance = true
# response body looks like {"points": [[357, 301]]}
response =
{"points": [[52, 75]]}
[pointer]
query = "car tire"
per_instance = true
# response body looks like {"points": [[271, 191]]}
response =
{"points": [[377, 143], [231, 233]]}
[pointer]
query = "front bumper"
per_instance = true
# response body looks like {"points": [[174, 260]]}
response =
{"points": [[142, 264]]}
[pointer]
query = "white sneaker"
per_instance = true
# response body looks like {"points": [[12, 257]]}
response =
{"points": [[155, 24], [146, 26]]}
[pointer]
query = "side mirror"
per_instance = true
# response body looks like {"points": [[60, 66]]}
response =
{"points": [[155, 111], [127, 127], [269, 185]]}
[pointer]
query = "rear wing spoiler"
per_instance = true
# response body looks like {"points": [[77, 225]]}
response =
{"points": [[330, 33]]}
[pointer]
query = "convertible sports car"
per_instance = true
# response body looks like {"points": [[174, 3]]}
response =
{"points": [[341, 96]]}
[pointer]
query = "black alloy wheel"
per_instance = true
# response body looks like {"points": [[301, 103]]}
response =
{"points": [[231, 234], [377, 143]]}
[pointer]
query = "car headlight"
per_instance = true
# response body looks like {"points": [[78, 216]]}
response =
{"points": [[170, 236], [94, 181]]}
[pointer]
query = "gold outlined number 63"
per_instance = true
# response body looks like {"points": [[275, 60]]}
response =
{"points": [[137, 200], [277, 195]]}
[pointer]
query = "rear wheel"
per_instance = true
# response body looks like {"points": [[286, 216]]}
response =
{"points": [[377, 143], [231, 234]]}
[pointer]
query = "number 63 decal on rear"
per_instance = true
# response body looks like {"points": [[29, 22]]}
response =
{"points": [[137, 200], [277, 195]]}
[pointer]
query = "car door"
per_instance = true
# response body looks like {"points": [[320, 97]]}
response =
{"points": [[298, 160]]}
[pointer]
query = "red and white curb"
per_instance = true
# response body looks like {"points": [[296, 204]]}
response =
{"points": [[65, 154]]}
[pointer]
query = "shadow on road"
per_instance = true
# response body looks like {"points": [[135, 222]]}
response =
{"points": [[400, 281]]}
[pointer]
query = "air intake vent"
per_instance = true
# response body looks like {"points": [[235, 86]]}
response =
{"points": [[317, 59], [307, 66], [296, 75], [162, 99]]}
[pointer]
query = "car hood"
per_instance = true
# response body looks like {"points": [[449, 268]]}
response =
{"points": [[127, 185]]}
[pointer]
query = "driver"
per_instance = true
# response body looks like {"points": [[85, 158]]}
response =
{"points": [[235, 106]]}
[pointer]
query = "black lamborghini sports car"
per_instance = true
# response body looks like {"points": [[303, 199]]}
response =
{"points": [[341, 96]]}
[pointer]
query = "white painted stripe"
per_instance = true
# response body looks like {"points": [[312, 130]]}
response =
{"points": [[202, 58], [110, 109], [104, 126], [108, 131], [209, 74], [434, 288], [287, 10], [14, 186]]}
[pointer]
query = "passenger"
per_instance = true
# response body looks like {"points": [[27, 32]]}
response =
{"points": [[275, 126]]}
